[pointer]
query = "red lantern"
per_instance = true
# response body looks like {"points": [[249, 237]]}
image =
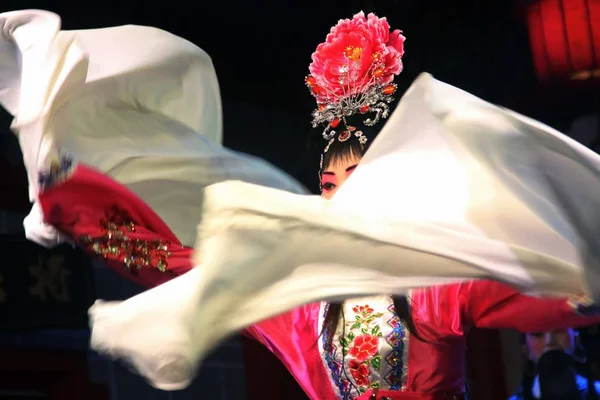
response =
{"points": [[565, 38]]}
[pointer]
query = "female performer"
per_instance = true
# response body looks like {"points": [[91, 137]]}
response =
{"points": [[141, 168], [375, 347]]}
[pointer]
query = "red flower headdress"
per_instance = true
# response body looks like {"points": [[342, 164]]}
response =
{"points": [[352, 73]]}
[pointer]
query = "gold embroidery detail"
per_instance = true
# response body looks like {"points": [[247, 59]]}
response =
{"points": [[135, 253]]}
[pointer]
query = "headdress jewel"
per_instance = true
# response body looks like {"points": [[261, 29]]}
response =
{"points": [[352, 72]]}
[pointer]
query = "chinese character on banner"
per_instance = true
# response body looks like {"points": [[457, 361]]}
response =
{"points": [[51, 278], [2, 290]]}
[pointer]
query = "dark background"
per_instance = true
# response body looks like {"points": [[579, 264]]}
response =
{"points": [[261, 50]]}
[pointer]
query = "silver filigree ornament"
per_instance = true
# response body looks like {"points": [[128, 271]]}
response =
{"points": [[373, 101], [351, 89]]}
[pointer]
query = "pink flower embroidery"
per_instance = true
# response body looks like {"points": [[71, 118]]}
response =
{"points": [[363, 309], [360, 373], [364, 347]]}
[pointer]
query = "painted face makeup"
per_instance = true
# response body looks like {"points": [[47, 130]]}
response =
{"points": [[336, 174]]}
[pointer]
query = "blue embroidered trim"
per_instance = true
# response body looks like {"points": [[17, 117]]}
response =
{"points": [[335, 366], [394, 359], [57, 172]]}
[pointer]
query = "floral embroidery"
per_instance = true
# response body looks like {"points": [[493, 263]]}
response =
{"points": [[361, 343], [367, 351], [364, 348], [360, 372], [118, 241], [58, 171]]}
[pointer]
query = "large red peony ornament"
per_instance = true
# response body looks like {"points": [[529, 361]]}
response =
{"points": [[357, 53], [352, 71]]}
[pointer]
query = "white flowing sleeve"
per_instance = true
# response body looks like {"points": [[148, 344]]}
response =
{"points": [[452, 189], [38, 70], [135, 103]]}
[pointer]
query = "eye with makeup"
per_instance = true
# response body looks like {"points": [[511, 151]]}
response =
{"points": [[328, 186], [330, 180]]}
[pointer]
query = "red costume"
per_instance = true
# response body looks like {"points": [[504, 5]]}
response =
{"points": [[430, 369], [104, 204]]}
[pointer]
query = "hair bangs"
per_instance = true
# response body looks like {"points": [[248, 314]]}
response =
{"points": [[343, 152]]}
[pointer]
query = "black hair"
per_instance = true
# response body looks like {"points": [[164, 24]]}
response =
{"points": [[340, 151], [349, 149], [343, 152]]}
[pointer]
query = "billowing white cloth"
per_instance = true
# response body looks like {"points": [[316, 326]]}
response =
{"points": [[453, 188], [137, 103]]}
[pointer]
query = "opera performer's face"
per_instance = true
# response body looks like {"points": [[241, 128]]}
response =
{"points": [[336, 173]]}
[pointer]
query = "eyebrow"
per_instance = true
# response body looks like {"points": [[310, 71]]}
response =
{"points": [[350, 168]]}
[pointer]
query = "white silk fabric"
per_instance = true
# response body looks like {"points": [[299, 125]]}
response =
{"points": [[136, 103], [453, 188]]}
